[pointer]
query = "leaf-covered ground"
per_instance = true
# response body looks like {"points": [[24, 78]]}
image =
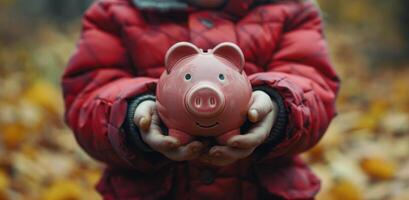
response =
{"points": [[364, 154]]}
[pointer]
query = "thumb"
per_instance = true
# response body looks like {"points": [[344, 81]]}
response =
{"points": [[261, 106], [143, 114]]}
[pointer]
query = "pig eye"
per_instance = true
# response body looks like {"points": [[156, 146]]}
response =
{"points": [[188, 77], [221, 77]]}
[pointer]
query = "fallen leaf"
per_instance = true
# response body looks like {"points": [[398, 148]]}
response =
{"points": [[63, 190], [13, 135], [344, 189], [46, 95], [4, 184], [378, 168]]}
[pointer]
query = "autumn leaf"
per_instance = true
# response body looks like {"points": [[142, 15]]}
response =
{"points": [[378, 168], [345, 190], [13, 135], [46, 95], [4, 184], [63, 190]]}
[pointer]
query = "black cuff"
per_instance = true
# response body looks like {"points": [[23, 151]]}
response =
{"points": [[278, 132], [132, 131]]}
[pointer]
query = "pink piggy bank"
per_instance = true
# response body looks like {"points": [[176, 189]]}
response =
{"points": [[203, 94]]}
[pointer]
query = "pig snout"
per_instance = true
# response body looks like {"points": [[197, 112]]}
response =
{"points": [[204, 100]]}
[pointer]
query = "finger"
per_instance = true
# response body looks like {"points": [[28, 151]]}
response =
{"points": [[229, 153], [156, 140], [143, 113], [261, 106], [256, 135], [248, 140], [188, 152]]}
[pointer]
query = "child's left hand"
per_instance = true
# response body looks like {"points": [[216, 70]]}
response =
{"points": [[262, 112]]}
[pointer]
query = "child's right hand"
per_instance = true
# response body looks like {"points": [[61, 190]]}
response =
{"points": [[147, 119]]}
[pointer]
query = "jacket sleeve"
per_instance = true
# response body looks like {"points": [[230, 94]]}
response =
{"points": [[301, 74], [97, 85]]}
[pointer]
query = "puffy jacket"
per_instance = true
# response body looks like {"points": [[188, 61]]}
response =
{"points": [[120, 56]]}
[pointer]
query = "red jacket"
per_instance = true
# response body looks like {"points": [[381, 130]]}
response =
{"points": [[120, 56]]}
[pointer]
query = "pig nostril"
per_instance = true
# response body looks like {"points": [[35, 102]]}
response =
{"points": [[212, 101], [198, 102]]}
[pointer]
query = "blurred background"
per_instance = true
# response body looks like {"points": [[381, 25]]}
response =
{"points": [[364, 155]]}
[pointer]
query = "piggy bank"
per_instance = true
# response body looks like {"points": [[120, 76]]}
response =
{"points": [[203, 94]]}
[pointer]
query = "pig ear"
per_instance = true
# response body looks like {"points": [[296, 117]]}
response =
{"points": [[177, 52], [232, 53]]}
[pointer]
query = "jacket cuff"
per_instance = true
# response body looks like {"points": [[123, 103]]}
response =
{"points": [[278, 132], [132, 131]]}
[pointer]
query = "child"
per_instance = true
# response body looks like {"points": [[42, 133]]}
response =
{"points": [[109, 88]]}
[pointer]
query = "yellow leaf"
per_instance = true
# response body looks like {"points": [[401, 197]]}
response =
{"points": [[315, 154], [93, 176], [368, 122], [344, 189], [63, 190], [28, 150], [372, 119], [379, 108], [378, 168], [13, 135], [45, 95], [4, 185], [4, 182]]}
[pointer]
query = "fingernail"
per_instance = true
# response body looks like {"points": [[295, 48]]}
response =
{"points": [[235, 144], [254, 113], [142, 121]]}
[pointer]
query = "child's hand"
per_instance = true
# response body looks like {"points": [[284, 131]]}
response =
{"points": [[147, 119], [262, 112]]}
